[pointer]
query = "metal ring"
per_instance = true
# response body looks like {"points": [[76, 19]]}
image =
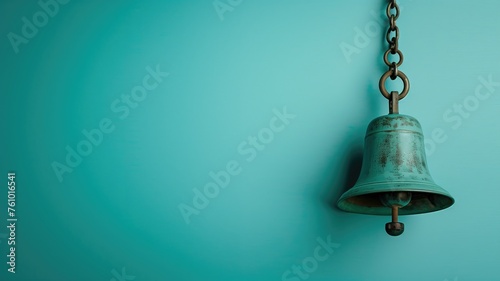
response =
{"points": [[406, 85], [392, 22], [394, 46], [395, 71], [386, 58], [389, 8], [389, 32]]}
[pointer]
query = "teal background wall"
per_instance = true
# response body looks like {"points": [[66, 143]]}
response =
{"points": [[265, 91]]}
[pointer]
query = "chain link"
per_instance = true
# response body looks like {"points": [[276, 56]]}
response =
{"points": [[392, 37]]}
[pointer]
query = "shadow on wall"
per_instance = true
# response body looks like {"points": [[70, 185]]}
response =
{"points": [[344, 170], [352, 153]]}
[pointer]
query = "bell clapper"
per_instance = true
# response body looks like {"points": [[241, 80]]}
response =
{"points": [[395, 228], [395, 210], [395, 200]]}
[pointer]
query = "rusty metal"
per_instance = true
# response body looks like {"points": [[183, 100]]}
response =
{"points": [[395, 209], [394, 172], [406, 85], [386, 58], [394, 103], [392, 5], [392, 37], [395, 200], [395, 228], [394, 178]]}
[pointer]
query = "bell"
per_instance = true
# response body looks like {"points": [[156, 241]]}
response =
{"points": [[394, 177]]}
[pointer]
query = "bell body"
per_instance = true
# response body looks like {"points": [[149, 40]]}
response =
{"points": [[394, 161]]}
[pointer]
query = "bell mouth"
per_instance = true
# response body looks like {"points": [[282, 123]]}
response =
{"points": [[421, 202]]}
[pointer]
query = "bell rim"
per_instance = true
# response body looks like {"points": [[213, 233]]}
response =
{"points": [[343, 205], [353, 190], [401, 213]]}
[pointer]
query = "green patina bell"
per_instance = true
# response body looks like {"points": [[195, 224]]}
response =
{"points": [[394, 177]]}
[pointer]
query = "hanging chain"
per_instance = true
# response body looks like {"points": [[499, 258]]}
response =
{"points": [[392, 38]]}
